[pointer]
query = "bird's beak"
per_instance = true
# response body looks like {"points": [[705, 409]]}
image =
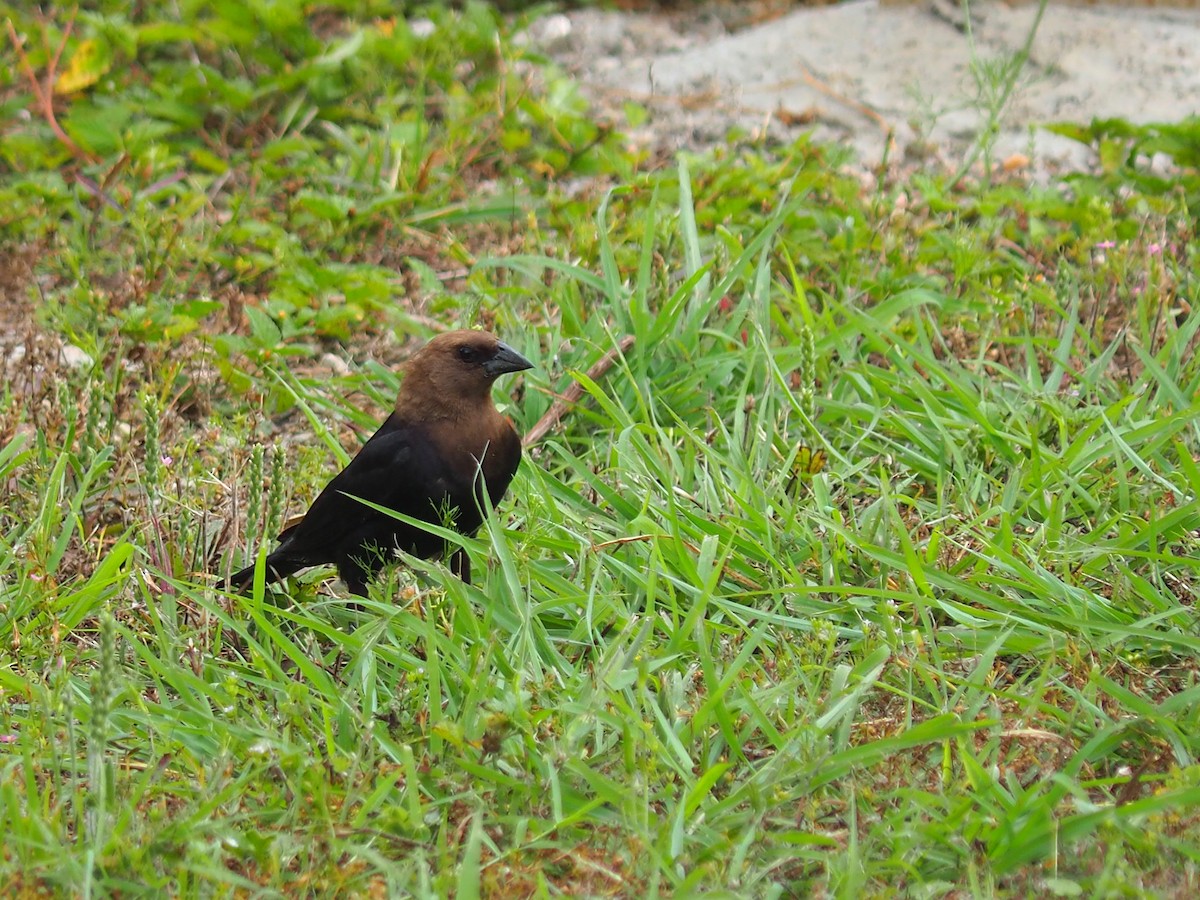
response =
{"points": [[506, 360]]}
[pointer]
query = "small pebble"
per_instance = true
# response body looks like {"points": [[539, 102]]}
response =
{"points": [[74, 357], [335, 364]]}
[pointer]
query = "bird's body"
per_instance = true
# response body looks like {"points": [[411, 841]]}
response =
{"points": [[430, 460]]}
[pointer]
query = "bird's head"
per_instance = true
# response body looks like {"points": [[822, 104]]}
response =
{"points": [[457, 369]]}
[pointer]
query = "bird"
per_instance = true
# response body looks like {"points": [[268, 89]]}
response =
{"points": [[431, 459]]}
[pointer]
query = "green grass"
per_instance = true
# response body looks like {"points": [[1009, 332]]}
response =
{"points": [[869, 567]]}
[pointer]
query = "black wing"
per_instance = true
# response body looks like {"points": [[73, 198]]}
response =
{"points": [[396, 469]]}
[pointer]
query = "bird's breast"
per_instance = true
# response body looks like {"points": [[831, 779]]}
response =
{"points": [[490, 447]]}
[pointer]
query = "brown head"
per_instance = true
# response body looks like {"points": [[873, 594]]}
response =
{"points": [[452, 375]]}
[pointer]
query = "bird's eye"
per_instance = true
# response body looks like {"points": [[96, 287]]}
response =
{"points": [[467, 354]]}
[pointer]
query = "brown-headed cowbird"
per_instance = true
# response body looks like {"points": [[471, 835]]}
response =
{"points": [[429, 460]]}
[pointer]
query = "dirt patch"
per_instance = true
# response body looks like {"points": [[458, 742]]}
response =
{"points": [[887, 80]]}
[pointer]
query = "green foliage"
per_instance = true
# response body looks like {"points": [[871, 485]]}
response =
{"points": [[867, 567], [236, 161], [1141, 154]]}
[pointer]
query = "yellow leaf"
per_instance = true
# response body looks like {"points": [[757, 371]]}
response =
{"points": [[808, 462], [88, 63]]}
